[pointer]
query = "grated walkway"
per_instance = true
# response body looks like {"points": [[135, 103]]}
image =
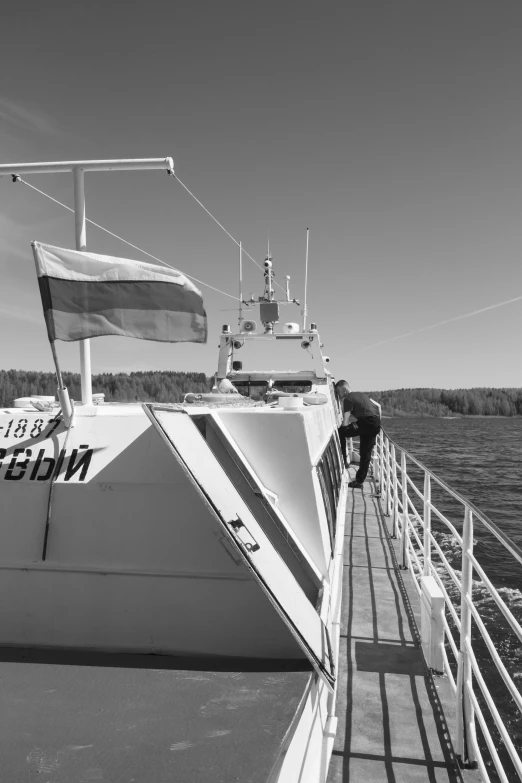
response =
{"points": [[392, 728]]}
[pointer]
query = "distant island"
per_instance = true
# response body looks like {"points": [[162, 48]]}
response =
{"points": [[450, 402], [159, 386]]}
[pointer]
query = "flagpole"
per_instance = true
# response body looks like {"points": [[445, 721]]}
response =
{"points": [[63, 393], [56, 364], [80, 232]]}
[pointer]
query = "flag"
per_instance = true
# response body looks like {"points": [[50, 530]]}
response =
{"points": [[87, 295]]}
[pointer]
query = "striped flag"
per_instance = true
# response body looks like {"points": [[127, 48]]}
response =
{"points": [[88, 295]]}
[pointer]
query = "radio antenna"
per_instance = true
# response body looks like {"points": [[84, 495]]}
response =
{"points": [[305, 311], [240, 285]]}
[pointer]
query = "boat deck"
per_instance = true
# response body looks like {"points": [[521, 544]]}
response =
{"points": [[81, 717], [394, 717], [86, 717]]}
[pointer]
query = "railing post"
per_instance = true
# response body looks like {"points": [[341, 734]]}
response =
{"points": [[395, 494], [381, 463], [427, 524], [405, 514], [385, 473], [390, 479], [384, 469], [375, 466], [387, 478], [465, 713]]}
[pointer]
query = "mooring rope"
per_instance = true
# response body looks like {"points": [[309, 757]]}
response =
{"points": [[125, 241], [55, 474]]}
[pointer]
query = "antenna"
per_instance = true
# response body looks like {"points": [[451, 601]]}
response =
{"points": [[305, 311], [240, 285]]}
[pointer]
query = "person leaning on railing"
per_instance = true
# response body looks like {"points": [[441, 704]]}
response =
{"points": [[366, 427]]}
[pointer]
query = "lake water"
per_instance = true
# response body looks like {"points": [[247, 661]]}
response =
{"points": [[481, 458]]}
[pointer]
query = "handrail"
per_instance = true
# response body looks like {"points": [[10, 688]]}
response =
{"points": [[515, 550], [411, 524]]}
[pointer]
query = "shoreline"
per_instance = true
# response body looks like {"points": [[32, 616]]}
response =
{"points": [[458, 416]]}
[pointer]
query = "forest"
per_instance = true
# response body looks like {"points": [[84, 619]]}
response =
{"points": [[450, 402], [154, 386], [159, 386]]}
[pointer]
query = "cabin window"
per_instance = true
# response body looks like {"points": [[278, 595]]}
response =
{"points": [[328, 503], [329, 471], [334, 451], [293, 387], [256, 390], [332, 474]]}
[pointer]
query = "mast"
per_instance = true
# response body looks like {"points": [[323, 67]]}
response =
{"points": [[305, 311], [80, 235], [78, 169], [240, 317]]}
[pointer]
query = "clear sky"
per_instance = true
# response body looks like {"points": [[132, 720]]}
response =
{"points": [[392, 129]]}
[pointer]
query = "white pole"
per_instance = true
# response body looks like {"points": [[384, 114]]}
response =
{"points": [[80, 233], [388, 479], [141, 164], [381, 462], [240, 285], [305, 312], [465, 713], [395, 497], [427, 524], [405, 511]]}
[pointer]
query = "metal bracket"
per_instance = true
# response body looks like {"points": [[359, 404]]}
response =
{"points": [[250, 546]]}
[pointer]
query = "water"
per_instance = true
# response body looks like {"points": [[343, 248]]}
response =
{"points": [[481, 458]]}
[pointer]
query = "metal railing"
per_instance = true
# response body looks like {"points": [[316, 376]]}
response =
{"points": [[411, 510]]}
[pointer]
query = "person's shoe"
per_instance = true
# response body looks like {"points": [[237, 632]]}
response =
{"points": [[355, 484]]}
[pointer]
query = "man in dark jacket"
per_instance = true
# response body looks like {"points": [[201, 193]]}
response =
{"points": [[366, 427]]}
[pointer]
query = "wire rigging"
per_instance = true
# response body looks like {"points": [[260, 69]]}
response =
{"points": [[441, 323], [222, 227], [125, 241], [231, 296]]}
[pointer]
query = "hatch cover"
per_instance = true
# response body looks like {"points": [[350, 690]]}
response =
{"points": [[269, 569]]}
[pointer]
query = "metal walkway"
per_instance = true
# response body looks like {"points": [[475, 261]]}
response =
{"points": [[392, 727]]}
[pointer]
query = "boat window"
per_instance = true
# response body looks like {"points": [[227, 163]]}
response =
{"points": [[329, 472], [336, 463], [256, 390], [328, 502], [332, 478], [293, 387]]}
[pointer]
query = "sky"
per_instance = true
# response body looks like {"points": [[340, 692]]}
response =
{"points": [[392, 130]]}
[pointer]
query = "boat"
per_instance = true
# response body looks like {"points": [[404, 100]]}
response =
{"points": [[192, 592]]}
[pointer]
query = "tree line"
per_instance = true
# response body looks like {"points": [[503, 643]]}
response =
{"points": [[450, 402], [159, 386], [151, 386]]}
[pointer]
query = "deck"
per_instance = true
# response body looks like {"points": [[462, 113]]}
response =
{"points": [[91, 717], [81, 717], [395, 719]]}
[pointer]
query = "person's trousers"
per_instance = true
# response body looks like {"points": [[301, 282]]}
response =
{"points": [[366, 429]]}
